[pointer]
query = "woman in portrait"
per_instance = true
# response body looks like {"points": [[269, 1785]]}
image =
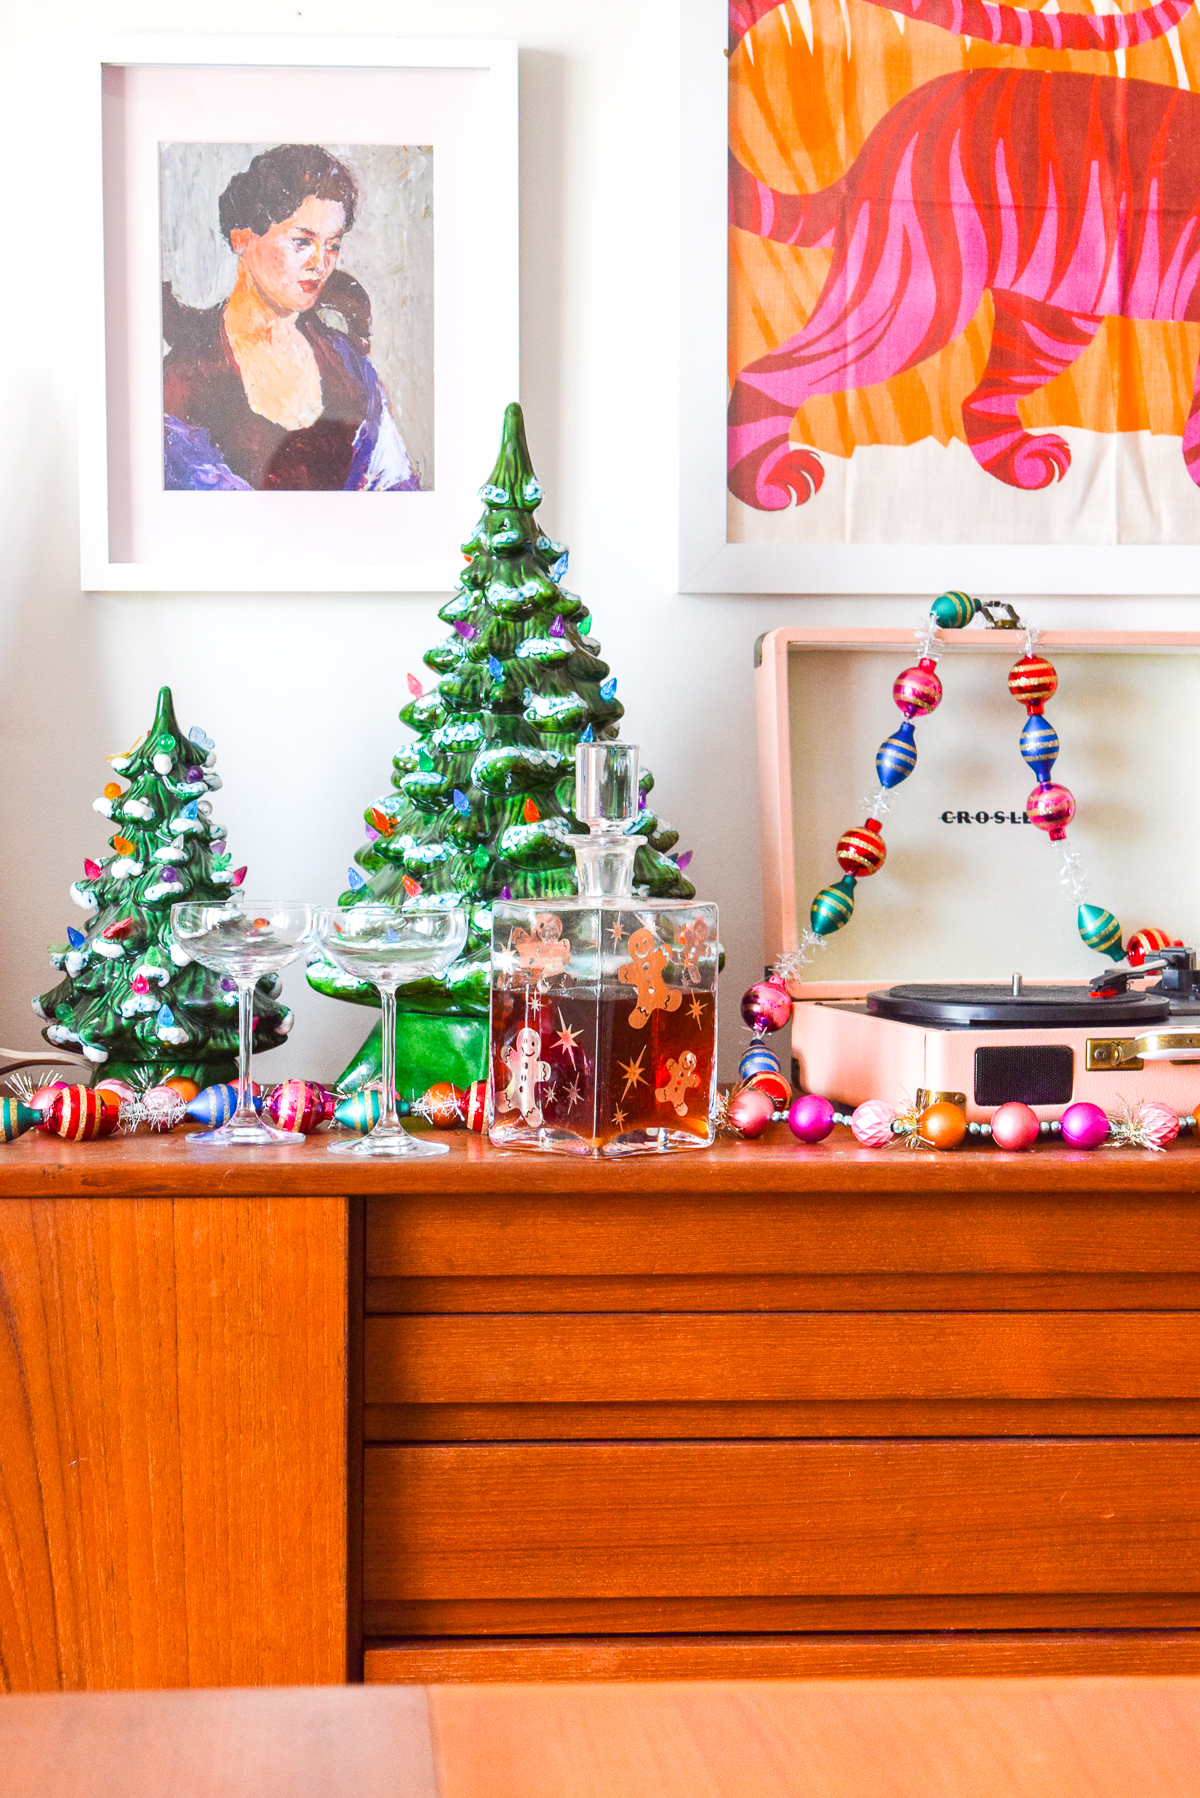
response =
{"points": [[273, 389]]}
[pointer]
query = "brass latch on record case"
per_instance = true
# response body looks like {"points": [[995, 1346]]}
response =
{"points": [[1122, 1054]]}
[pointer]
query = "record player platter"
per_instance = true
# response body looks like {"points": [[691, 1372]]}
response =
{"points": [[1031, 1008]]}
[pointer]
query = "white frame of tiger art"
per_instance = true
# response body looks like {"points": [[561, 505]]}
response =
{"points": [[460, 96], [708, 561]]}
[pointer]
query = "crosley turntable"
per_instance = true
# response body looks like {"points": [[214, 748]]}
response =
{"points": [[971, 896]]}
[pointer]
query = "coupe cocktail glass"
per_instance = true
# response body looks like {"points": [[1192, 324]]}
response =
{"points": [[389, 945], [244, 941]]}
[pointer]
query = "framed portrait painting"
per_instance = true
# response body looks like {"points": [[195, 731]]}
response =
{"points": [[305, 329], [942, 296]]}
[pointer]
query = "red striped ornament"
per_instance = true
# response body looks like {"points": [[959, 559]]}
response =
{"points": [[475, 1107], [1032, 681], [1147, 942], [862, 852], [78, 1114]]}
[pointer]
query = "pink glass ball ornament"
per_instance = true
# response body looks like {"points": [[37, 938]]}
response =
{"points": [[1051, 808], [872, 1123], [1084, 1126], [1014, 1126], [810, 1118], [43, 1098], [1157, 1123], [749, 1111], [918, 690], [766, 1006]]}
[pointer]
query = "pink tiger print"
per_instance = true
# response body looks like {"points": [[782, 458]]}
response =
{"points": [[1015, 25], [1070, 197]]}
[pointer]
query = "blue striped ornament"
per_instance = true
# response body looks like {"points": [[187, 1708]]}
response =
{"points": [[217, 1104], [758, 1059], [1101, 931], [1039, 745], [833, 907], [954, 610], [16, 1119], [897, 756]]}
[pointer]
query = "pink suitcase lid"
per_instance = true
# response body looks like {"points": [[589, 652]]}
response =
{"points": [[1129, 727]]}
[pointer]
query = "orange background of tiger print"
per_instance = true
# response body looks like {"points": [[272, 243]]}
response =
{"points": [[797, 119]]}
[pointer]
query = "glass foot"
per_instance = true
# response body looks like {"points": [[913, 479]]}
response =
{"points": [[250, 1135], [391, 1139]]}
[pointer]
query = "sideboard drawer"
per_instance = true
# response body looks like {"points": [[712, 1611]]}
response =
{"points": [[663, 1358], [613, 1520]]}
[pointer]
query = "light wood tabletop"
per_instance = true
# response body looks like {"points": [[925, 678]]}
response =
{"points": [[933, 1738]]}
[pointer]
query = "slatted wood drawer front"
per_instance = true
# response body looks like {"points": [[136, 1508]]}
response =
{"points": [[436, 1378], [684, 1521]]}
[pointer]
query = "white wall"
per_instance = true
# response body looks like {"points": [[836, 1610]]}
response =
{"points": [[301, 693]]}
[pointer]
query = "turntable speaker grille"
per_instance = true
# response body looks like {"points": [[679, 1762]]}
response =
{"points": [[1037, 1074]]}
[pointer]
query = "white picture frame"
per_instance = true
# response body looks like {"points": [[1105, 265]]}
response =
{"points": [[708, 561], [458, 95]]}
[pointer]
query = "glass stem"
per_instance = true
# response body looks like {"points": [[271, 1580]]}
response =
{"points": [[245, 1105], [389, 1116]]}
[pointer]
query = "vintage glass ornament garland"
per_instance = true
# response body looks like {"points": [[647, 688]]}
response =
{"points": [[917, 691]]}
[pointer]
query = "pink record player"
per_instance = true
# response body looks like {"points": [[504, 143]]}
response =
{"points": [[960, 974]]}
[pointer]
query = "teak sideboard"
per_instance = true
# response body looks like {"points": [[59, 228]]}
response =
{"points": [[759, 1411]]}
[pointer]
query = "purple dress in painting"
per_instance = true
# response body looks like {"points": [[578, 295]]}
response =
{"points": [[213, 442]]}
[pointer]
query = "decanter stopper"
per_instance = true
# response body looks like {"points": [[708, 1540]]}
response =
{"points": [[607, 801]]}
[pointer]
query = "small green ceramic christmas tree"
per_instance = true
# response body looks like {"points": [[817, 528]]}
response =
{"points": [[131, 1000], [481, 801]]}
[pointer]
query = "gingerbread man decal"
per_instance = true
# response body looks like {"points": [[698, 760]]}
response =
{"points": [[683, 1077], [692, 939], [525, 1070], [644, 970], [543, 953]]}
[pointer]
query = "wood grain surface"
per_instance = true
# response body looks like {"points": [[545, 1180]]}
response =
{"points": [[1013, 1738], [148, 1166], [819, 1419], [173, 1451], [862, 1291], [601, 1520], [784, 1614], [671, 1358], [315, 1743], [631, 1229], [973, 1653]]}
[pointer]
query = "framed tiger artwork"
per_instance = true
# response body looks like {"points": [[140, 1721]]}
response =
{"points": [[961, 325]]}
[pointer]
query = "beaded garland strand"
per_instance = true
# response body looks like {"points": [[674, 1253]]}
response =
{"points": [[917, 691]]}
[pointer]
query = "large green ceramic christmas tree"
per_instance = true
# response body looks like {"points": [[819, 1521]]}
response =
{"points": [[131, 1000], [481, 800]]}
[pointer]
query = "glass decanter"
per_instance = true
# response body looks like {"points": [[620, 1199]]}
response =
{"points": [[604, 1007]]}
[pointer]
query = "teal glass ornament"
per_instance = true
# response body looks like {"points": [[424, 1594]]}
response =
{"points": [[954, 610], [16, 1119], [833, 907], [1101, 931], [897, 756], [1039, 745], [360, 1111]]}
